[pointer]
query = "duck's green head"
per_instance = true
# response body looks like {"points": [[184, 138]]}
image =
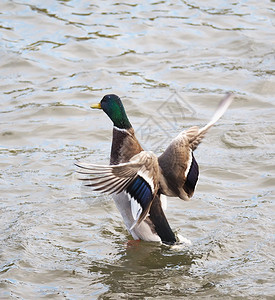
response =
{"points": [[113, 107]]}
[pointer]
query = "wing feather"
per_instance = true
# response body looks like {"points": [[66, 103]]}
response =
{"points": [[179, 168], [198, 134], [139, 178]]}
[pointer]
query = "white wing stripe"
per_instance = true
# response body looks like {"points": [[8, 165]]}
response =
{"points": [[189, 162], [163, 200]]}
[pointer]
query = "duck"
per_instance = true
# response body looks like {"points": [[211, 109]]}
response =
{"points": [[138, 180]]}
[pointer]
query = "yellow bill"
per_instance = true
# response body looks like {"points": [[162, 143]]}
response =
{"points": [[97, 106]]}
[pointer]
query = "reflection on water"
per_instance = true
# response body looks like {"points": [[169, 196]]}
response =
{"points": [[131, 271], [59, 240]]}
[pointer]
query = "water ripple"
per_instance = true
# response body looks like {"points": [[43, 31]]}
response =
{"points": [[60, 240]]}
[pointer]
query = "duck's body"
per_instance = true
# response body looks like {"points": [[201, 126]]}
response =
{"points": [[124, 146], [138, 179]]}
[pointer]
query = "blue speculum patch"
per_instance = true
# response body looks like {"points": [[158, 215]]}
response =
{"points": [[140, 190]]}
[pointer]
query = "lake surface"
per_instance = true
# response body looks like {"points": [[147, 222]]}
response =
{"points": [[171, 62]]}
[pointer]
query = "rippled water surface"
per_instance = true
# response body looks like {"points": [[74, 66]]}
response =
{"points": [[171, 62]]}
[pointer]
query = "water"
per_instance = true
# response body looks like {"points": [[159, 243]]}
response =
{"points": [[59, 240]]}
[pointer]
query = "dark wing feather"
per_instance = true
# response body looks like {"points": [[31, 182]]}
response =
{"points": [[140, 191]]}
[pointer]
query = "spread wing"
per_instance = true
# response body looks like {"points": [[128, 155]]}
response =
{"points": [[139, 178], [179, 168]]}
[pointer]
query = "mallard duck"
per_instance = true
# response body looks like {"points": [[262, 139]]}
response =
{"points": [[139, 180]]}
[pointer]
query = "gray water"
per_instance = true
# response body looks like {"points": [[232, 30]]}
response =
{"points": [[171, 62]]}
